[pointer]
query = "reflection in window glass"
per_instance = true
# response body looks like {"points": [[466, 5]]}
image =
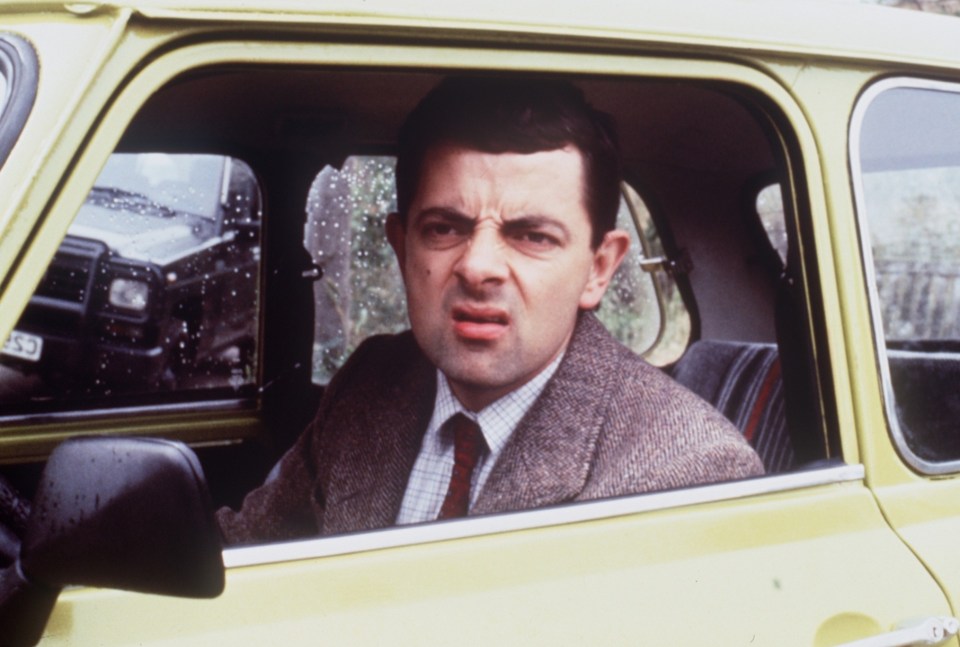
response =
{"points": [[191, 184], [153, 289], [915, 229], [361, 292], [910, 194]]}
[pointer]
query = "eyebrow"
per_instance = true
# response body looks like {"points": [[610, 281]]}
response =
{"points": [[536, 221]]}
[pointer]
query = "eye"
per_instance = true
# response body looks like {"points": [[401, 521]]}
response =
{"points": [[442, 233], [440, 229], [539, 238], [535, 240], [536, 235]]}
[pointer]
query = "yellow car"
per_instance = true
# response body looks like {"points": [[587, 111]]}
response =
{"points": [[793, 185]]}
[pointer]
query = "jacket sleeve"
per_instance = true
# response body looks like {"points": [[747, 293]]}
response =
{"points": [[289, 504], [282, 508]]}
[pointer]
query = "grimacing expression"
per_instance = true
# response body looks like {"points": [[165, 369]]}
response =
{"points": [[496, 258]]}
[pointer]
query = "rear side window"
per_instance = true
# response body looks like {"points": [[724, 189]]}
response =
{"points": [[906, 148], [360, 292], [643, 307], [769, 209], [18, 88]]}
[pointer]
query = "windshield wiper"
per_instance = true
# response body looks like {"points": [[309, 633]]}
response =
{"points": [[114, 197]]}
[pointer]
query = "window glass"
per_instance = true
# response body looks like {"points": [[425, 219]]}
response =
{"points": [[154, 289], [769, 207], [643, 307], [361, 292], [191, 184], [909, 158]]}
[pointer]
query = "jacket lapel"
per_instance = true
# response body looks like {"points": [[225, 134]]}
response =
{"points": [[376, 452], [547, 459]]}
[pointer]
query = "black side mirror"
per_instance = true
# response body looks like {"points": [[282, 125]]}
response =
{"points": [[123, 513]]}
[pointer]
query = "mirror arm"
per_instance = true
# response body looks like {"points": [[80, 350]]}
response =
{"points": [[25, 607]]}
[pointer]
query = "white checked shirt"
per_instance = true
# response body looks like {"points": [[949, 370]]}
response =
{"points": [[430, 477]]}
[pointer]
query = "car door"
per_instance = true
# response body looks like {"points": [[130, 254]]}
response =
{"points": [[802, 557]]}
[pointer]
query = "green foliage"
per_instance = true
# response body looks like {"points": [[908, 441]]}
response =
{"points": [[361, 293], [644, 309], [915, 234], [379, 304]]}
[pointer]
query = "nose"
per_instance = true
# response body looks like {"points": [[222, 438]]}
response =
{"points": [[483, 261]]}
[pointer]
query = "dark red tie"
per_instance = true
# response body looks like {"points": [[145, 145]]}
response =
{"points": [[468, 446]]}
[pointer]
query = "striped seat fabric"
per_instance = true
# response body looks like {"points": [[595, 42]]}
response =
{"points": [[742, 380]]}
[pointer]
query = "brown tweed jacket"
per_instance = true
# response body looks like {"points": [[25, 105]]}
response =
{"points": [[607, 424]]}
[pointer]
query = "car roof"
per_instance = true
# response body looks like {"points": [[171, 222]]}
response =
{"points": [[833, 28]]}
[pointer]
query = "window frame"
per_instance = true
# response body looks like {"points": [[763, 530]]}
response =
{"points": [[881, 358]]}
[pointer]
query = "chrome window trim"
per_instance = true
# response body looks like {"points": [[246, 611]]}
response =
{"points": [[916, 462], [154, 409], [517, 521]]}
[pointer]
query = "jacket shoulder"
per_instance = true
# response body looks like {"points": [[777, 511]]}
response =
{"points": [[657, 434]]}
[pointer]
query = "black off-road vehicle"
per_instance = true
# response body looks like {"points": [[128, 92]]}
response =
{"points": [[157, 275]]}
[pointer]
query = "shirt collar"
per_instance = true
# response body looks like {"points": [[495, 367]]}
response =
{"points": [[498, 419]]}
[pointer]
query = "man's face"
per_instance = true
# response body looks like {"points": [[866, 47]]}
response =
{"points": [[497, 261]]}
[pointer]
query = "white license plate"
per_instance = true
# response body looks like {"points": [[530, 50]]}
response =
{"points": [[23, 346]]}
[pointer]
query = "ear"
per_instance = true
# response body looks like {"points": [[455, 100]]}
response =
{"points": [[396, 236], [606, 260]]}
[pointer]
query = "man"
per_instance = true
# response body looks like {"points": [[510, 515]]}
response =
{"points": [[508, 393]]}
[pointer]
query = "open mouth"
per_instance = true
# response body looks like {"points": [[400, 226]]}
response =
{"points": [[479, 317], [479, 323]]}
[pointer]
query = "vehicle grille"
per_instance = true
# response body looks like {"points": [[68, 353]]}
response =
{"points": [[70, 274]]}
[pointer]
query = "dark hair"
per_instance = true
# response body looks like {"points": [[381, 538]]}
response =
{"points": [[518, 115]]}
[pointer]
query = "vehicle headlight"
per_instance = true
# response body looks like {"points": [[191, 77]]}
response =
{"points": [[129, 294]]}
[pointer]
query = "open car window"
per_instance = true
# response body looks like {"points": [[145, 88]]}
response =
{"points": [[227, 290]]}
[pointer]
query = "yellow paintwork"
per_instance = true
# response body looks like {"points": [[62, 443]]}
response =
{"points": [[751, 572], [817, 565]]}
